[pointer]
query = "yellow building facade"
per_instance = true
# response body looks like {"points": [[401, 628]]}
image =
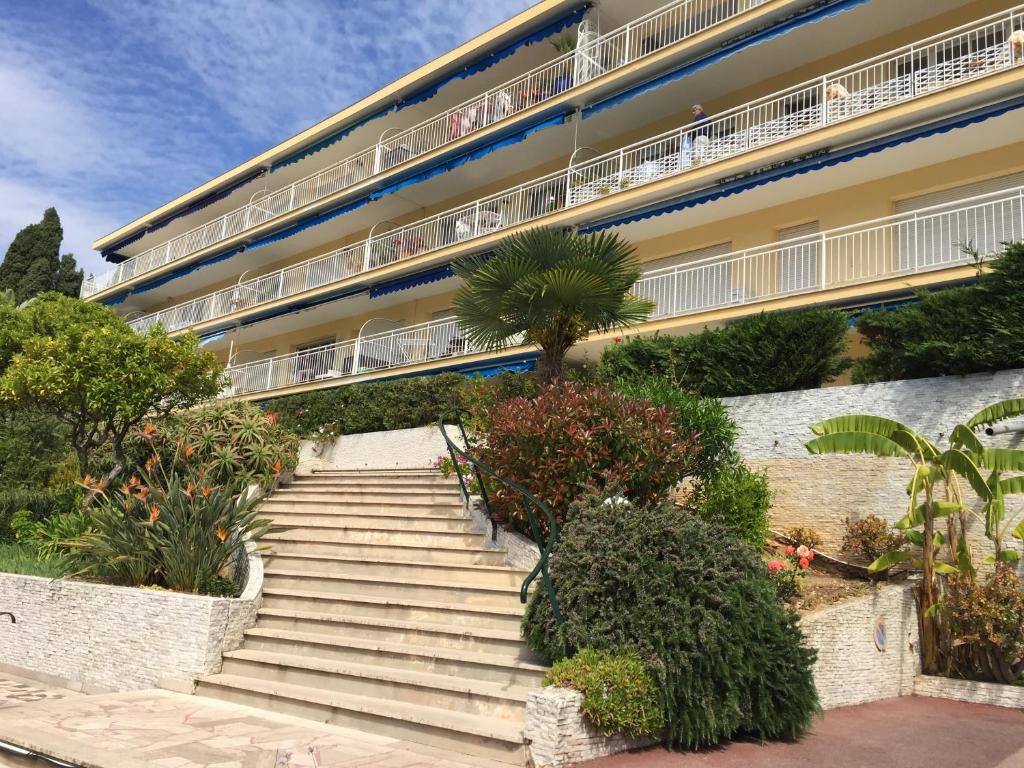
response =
{"points": [[853, 151]]}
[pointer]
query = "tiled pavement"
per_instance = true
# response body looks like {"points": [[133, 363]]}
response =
{"points": [[15, 691], [160, 729]]}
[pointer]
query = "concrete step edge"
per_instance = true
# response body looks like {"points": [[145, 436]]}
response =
{"points": [[425, 627], [399, 649], [458, 722], [412, 678], [287, 573], [342, 597], [414, 563]]}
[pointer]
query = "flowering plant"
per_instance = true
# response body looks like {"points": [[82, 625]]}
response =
{"points": [[787, 573]]}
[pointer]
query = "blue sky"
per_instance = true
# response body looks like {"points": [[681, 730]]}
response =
{"points": [[109, 108]]}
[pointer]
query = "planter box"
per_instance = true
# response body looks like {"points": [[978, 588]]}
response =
{"points": [[95, 637]]}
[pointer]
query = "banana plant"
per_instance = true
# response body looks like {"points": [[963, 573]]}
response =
{"points": [[999, 461], [887, 438]]}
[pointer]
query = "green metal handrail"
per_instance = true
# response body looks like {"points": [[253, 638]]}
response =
{"points": [[530, 502]]}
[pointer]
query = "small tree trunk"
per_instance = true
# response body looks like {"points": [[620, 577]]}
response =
{"points": [[551, 365], [929, 628]]}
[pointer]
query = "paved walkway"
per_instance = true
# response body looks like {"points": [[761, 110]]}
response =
{"points": [[160, 729], [906, 733], [16, 691]]}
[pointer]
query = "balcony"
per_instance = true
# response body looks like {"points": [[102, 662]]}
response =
{"points": [[941, 62], [594, 56], [923, 241]]}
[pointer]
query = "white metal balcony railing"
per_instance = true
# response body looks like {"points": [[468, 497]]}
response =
{"points": [[909, 243], [916, 70], [592, 57]]}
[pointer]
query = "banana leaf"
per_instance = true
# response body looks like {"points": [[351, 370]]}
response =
{"points": [[856, 442], [915, 517], [962, 463], [888, 560], [858, 422], [963, 437], [1001, 411]]}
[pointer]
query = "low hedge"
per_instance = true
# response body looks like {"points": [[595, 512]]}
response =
{"points": [[769, 352], [42, 504]]}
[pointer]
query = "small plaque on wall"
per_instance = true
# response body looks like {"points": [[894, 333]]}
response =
{"points": [[881, 635]]}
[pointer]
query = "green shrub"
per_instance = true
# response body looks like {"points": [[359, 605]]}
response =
{"points": [[769, 352], [987, 622], [235, 442], [950, 332], [373, 406], [705, 416], [809, 537], [23, 559], [32, 447], [787, 578], [619, 694], [871, 537], [738, 499], [728, 658], [40, 503], [571, 439]]}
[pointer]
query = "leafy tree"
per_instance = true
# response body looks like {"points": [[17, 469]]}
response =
{"points": [[82, 364], [551, 286], [952, 331], [33, 263]]}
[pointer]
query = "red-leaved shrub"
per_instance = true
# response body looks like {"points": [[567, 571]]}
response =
{"points": [[571, 439]]}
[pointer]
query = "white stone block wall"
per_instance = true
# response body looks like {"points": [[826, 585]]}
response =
{"points": [[398, 449], [1011, 696], [96, 637], [850, 668], [821, 491]]}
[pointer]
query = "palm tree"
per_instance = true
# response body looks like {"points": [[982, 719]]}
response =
{"points": [[553, 287]]}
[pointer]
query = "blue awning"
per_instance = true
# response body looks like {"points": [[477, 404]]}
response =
{"points": [[404, 283], [825, 160], [484, 62], [800, 19], [111, 255]]}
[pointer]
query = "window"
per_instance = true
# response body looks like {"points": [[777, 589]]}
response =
{"points": [[798, 266]]}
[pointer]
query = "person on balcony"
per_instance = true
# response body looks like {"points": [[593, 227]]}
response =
{"points": [[701, 135]]}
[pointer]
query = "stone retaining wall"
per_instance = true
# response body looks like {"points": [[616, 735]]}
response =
{"points": [[1011, 696], [398, 449], [95, 637], [822, 491]]}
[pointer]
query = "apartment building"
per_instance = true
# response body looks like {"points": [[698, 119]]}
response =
{"points": [[854, 151]]}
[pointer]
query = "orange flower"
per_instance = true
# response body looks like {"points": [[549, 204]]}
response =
{"points": [[134, 481], [149, 429], [202, 474], [790, 549], [87, 481], [127, 503], [222, 534], [126, 489], [143, 492], [207, 490], [272, 418], [189, 488], [154, 513], [277, 467], [189, 450], [101, 486], [810, 555], [804, 563]]}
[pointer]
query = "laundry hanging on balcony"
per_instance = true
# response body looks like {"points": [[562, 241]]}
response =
{"points": [[812, 16], [489, 60]]}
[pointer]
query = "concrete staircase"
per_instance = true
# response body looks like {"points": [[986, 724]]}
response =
{"points": [[383, 611]]}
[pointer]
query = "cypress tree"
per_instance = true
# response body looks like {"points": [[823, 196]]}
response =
{"points": [[33, 263], [69, 278]]}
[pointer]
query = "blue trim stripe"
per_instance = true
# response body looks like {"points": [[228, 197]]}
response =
{"points": [[730, 49], [420, 278], [826, 160], [489, 60]]}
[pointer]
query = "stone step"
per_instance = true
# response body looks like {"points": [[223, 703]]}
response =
{"points": [[364, 520], [459, 663], [490, 738], [382, 585], [448, 574], [455, 694], [455, 637], [461, 616], [400, 500], [332, 532], [376, 474], [389, 486], [302, 544]]}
